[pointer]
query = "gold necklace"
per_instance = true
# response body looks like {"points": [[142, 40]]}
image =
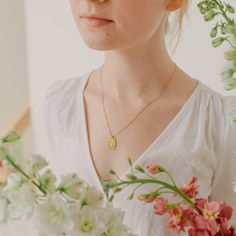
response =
{"points": [[112, 142]]}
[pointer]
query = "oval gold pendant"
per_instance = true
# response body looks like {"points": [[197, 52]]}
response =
{"points": [[112, 143]]}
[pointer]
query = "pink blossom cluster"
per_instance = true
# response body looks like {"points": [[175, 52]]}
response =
{"points": [[200, 218]]}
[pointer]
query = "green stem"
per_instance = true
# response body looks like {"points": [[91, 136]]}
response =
{"points": [[223, 13], [170, 177], [136, 188], [8, 158], [166, 185], [230, 43]]}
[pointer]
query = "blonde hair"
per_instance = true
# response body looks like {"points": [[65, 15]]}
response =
{"points": [[176, 27]]}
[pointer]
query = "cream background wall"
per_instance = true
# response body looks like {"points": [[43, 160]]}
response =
{"points": [[13, 82], [13, 61]]}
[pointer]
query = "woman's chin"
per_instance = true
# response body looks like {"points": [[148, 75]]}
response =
{"points": [[98, 45]]}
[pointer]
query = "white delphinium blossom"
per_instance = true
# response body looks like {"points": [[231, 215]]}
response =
{"points": [[35, 164], [3, 206], [92, 197], [48, 180], [113, 221], [72, 186], [21, 196], [53, 217], [14, 182], [87, 221]]}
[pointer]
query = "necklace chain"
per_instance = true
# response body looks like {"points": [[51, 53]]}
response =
{"points": [[112, 143]]}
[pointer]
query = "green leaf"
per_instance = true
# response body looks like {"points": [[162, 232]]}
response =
{"points": [[213, 32], [11, 137], [139, 168], [217, 42], [230, 84], [203, 11], [230, 28], [210, 16], [230, 9], [227, 74], [116, 189], [230, 55]]}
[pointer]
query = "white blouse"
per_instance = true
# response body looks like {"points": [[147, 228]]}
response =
{"points": [[198, 141]]}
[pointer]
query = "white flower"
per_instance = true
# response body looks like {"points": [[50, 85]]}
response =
{"points": [[87, 221], [72, 186], [14, 182], [35, 164], [113, 221], [3, 207], [48, 180], [39, 162], [23, 196], [92, 197], [53, 217]]}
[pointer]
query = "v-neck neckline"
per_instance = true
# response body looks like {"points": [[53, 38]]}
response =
{"points": [[156, 142]]}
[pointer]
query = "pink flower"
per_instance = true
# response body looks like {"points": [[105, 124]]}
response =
{"points": [[161, 206], [154, 169], [146, 198], [208, 221], [150, 199], [198, 232], [211, 210], [190, 189], [180, 218], [228, 231], [225, 211]]}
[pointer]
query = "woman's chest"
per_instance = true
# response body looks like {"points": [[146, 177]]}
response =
{"points": [[134, 136]]}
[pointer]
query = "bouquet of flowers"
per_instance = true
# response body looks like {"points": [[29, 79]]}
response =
{"points": [[187, 211], [222, 31], [29, 189]]}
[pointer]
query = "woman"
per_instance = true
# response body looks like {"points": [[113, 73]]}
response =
{"points": [[139, 104]]}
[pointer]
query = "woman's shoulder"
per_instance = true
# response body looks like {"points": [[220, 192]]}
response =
{"points": [[62, 87], [62, 92], [61, 103], [217, 103]]}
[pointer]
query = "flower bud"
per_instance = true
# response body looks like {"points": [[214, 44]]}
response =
{"points": [[139, 168], [230, 55], [213, 32], [131, 177], [227, 74], [217, 42], [230, 9], [210, 16], [11, 137]]}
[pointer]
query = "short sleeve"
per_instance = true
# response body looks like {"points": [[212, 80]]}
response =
{"points": [[58, 107], [224, 178], [49, 113]]}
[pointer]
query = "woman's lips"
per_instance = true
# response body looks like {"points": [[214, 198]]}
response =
{"points": [[95, 21]]}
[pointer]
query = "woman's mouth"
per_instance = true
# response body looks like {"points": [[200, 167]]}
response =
{"points": [[94, 22]]}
